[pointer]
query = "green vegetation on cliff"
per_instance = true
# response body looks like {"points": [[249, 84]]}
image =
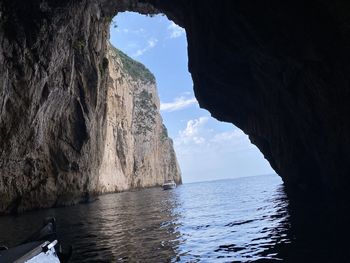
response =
{"points": [[145, 113], [135, 69]]}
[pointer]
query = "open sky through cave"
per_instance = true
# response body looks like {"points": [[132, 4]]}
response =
{"points": [[206, 148]]}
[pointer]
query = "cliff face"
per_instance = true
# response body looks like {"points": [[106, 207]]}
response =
{"points": [[52, 102], [56, 97], [279, 70], [137, 151]]}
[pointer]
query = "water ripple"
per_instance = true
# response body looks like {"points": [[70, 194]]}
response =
{"points": [[242, 220]]}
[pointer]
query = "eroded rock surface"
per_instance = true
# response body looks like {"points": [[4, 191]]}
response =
{"points": [[52, 102], [55, 99], [279, 70]]}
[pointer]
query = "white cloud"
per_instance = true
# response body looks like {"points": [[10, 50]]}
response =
{"points": [[175, 30], [192, 132], [233, 141], [196, 138], [193, 126], [139, 31], [229, 136], [204, 153], [178, 104], [151, 43]]}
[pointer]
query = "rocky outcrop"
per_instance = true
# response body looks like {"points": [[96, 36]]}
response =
{"points": [[56, 97], [138, 151], [279, 70], [52, 102]]}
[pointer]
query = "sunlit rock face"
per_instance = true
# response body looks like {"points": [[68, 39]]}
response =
{"points": [[56, 105], [137, 151], [279, 70]]}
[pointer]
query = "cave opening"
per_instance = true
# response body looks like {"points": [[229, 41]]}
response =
{"points": [[206, 148], [280, 74]]}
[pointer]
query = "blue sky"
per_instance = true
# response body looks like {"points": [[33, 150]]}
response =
{"points": [[206, 148]]}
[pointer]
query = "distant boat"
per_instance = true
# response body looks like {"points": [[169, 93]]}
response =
{"points": [[170, 184]]}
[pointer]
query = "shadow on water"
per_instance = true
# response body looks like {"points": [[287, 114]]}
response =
{"points": [[126, 227], [116, 228], [313, 231], [241, 220]]}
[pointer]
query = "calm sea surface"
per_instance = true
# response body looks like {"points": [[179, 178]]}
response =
{"points": [[239, 220]]}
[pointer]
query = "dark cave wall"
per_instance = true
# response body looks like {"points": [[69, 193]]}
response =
{"points": [[279, 70]]}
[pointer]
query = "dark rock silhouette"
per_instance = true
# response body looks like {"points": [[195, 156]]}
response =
{"points": [[279, 70]]}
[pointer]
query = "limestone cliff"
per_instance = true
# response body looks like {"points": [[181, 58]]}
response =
{"points": [[55, 101], [52, 102], [138, 151], [279, 70]]}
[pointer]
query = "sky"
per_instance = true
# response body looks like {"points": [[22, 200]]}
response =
{"points": [[206, 148]]}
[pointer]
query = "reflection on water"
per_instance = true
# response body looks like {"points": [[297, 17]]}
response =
{"points": [[136, 225], [241, 220]]}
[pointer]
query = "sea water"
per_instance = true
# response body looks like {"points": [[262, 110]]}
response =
{"points": [[237, 220]]}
